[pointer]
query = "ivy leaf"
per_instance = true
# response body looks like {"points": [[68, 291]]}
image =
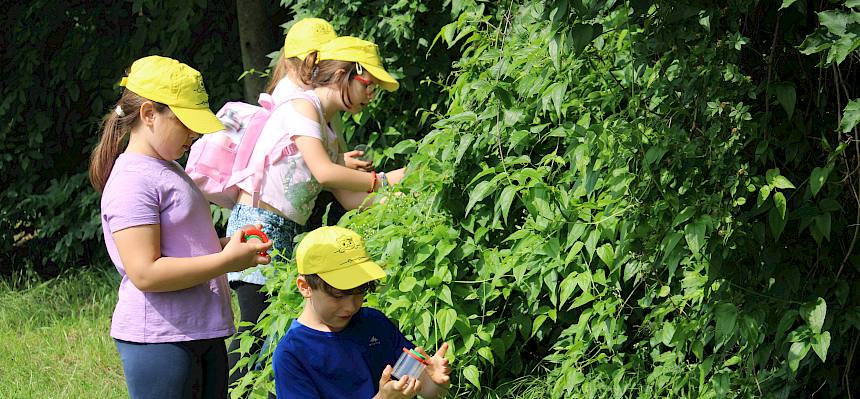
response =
{"points": [[814, 314], [820, 344], [796, 353], [473, 375], [726, 315], [786, 96], [694, 233], [850, 116], [818, 178]]}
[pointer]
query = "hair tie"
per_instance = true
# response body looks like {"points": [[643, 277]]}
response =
{"points": [[118, 110]]}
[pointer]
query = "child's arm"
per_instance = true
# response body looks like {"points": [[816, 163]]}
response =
{"points": [[139, 249], [437, 375], [329, 174]]}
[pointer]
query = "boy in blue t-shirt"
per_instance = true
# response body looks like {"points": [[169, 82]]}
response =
{"points": [[336, 348]]}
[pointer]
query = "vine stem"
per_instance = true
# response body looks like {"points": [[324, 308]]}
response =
{"points": [[769, 74], [841, 83]]}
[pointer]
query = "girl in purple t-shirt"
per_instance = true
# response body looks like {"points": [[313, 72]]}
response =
{"points": [[173, 310]]}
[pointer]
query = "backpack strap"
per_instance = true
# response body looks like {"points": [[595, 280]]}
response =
{"points": [[279, 152]]}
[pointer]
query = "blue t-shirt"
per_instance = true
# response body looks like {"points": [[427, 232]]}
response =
{"points": [[344, 364]]}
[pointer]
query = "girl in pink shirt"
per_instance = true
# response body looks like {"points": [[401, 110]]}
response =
{"points": [[173, 310]]}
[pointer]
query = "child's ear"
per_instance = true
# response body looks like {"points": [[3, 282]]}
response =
{"points": [[303, 286], [147, 113]]}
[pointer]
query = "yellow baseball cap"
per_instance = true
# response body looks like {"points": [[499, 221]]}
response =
{"points": [[306, 35], [176, 85], [338, 256], [348, 48]]}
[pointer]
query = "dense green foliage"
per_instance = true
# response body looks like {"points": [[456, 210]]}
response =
{"points": [[62, 63], [632, 200], [604, 198]]}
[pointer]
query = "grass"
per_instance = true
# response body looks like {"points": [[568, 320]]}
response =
{"points": [[55, 337]]}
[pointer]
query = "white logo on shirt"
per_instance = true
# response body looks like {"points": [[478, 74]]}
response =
{"points": [[374, 341]]}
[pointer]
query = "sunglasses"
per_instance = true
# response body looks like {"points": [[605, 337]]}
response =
{"points": [[369, 86]]}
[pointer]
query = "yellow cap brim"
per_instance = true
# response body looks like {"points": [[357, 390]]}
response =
{"points": [[386, 81], [353, 276], [199, 120]]}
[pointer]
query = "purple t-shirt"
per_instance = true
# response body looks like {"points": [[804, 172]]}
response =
{"points": [[142, 190]]}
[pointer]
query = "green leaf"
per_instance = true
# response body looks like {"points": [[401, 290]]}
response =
{"points": [[852, 3], [537, 322], [814, 314], [407, 284], [763, 194], [445, 319], [779, 203], [505, 200], [473, 375], [820, 344], [786, 4], [726, 315], [796, 353], [582, 34], [818, 178], [776, 222], [486, 353], [786, 96], [566, 288], [782, 182], [554, 53], [606, 254], [694, 233], [481, 191], [850, 116]]}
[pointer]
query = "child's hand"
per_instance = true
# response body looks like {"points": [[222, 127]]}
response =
{"points": [[407, 387], [242, 255], [437, 368], [351, 160]]}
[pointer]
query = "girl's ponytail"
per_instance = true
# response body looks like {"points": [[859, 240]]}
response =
{"points": [[115, 128], [306, 72]]}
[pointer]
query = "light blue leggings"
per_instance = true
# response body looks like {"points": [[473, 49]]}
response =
{"points": [[175, 370]]}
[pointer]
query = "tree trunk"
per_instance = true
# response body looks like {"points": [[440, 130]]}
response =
{"points": [[255, 36]]}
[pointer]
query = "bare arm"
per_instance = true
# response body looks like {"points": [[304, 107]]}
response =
{"points": [[139, 248], [329, 174]]}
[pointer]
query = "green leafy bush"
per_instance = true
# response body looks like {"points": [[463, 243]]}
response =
{"points": [[626, 199]]}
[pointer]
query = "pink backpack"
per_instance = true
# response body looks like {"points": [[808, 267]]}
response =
{"points": [[220, 160]]}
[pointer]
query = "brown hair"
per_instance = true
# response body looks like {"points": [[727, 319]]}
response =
{"points": [[316, 282], [114, 136], [285, 65], [325, 73]]}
